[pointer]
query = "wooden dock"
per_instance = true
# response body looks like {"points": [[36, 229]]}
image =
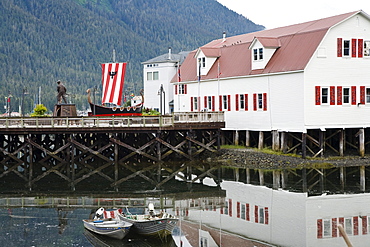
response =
{"points": [[77, 150]]}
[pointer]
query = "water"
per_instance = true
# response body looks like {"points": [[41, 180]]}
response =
{"points": [[231, 215]]}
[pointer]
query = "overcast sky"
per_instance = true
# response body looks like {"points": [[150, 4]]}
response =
{"points": [[272, 13]]}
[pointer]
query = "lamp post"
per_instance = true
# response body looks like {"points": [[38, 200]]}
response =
{"points": [[160, 92]]}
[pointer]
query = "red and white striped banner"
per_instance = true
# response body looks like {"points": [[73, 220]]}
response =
{"points": [[113, 76]]}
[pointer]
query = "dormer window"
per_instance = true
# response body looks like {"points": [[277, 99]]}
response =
{"points": [[258, 54]]}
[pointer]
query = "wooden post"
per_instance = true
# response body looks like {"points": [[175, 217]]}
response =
{"points": [[304, 143], [276, 179], [247, 138], [236, 137], [262, 179], [284, 179], [275, 140], [116, 164], [361, 140], [341, 142], [321, 142], [304, 180], [236, 174], [342, 177], [248, 175], [362, 179], [30, 171], [260, 140], [283, 145]]}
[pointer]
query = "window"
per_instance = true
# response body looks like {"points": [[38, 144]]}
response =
{"points": [[155, 75], [260, 101], [149, 76], [241, 101], [203, 62], [152, 75], [226, 209], [327, 228], [348, 226], [242, 213], [367, 95], [210, 103], [367, 48], [260, 51], [255, 54], [324, 95], [261, 214], [346, 47], [224, 102], [258, 54], [346, 95], [182, 88], [195, 103]]}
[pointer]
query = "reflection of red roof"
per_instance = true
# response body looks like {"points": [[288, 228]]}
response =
{"points": [[295, 46]]}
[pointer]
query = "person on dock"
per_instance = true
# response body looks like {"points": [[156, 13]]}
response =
{"points": [[62, 91]]}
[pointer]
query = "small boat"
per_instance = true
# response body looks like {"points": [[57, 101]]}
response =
{"points": [[112, 83], [109, 227], [152, 224]]}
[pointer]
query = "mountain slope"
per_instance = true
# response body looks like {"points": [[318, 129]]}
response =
{"points": [[44, 41]]}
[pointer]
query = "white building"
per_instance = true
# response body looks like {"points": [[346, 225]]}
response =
{"points": [[158, 73], [311, 78]]}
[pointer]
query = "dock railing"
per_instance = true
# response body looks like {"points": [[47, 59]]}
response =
{"points": [[132, 121]]}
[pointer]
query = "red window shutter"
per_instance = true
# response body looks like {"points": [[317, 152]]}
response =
{"points": [[237, 102], [360, 47], [254, 102], [362, 94], [334, 226], [353, 96], [265, 101], [191, 104], [341, 221], [339, 95], [317, 95], [185, 89], [354, 47], [247, 217], [339, 47], [246, 102], [319, 228], [213, 103], [256, 214], [220, 102], [205, 102], [175, 89], [238, 209], [364, 225], [266, 215], [332, 95], [221, 210], [355, 225], [230, 208], [229, 103]]}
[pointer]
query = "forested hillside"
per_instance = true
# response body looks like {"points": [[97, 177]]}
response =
{"points": [[43, 41]]}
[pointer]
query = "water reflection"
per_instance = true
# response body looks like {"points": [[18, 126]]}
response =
{"points": [[236, 214]]}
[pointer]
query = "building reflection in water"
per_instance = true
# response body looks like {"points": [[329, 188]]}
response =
{"points": [[279, 217]]}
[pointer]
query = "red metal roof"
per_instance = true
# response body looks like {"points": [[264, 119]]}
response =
{"points": [[295, 46]]}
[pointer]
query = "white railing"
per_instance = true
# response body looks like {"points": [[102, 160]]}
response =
{"points": [[134, 121]]}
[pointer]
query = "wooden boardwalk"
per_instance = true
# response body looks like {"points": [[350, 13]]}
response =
{"points": [[82, 150]]}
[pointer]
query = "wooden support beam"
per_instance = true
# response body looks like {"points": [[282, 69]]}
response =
{"points": [[362, 179], [304, 145], [361, 141], [236, 137], [261, 177], [342, 140], [260, 140], [247, 138], [275, 140]]}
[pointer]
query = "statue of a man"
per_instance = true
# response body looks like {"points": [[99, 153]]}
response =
{"points": [[61, 92]]}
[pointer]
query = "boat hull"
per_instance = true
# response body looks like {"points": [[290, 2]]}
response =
{"points": [[161, 227], [110, 228], [102, 111]]}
